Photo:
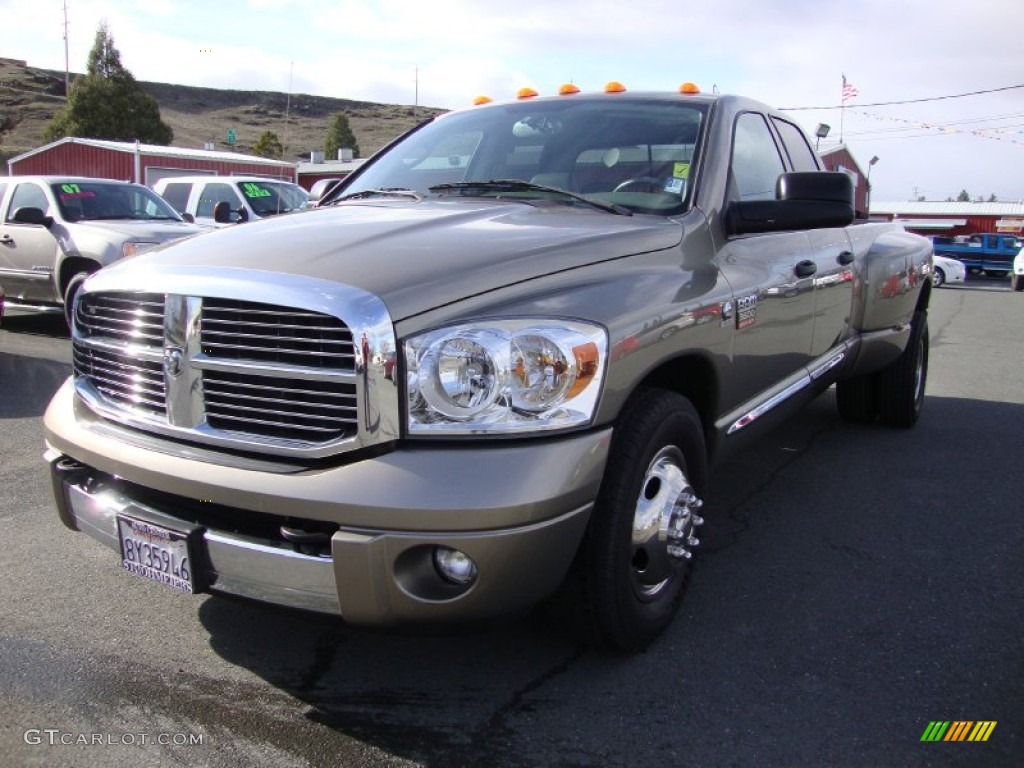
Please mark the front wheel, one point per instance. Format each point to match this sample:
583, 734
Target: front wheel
1017, 283
938, 277
70, 291
631, 571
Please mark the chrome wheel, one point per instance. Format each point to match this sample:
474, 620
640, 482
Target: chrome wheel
664, 523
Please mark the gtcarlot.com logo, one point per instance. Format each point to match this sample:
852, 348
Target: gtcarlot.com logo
958, 730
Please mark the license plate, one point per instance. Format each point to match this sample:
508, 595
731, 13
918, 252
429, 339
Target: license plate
157, 553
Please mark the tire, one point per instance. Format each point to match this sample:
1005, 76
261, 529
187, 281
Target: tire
938, 277
858, 398
70, 291
902, 382
1017, 283
634, 563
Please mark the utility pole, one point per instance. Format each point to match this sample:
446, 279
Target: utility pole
67, 61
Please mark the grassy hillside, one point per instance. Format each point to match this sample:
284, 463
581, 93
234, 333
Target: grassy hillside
29, 97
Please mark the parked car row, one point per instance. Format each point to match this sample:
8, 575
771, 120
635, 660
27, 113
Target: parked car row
55, 231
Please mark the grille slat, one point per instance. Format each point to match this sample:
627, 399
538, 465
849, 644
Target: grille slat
288, 407
269, 334
137, 318
265, 371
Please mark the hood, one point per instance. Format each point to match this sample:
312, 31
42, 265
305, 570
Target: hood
129, 229
416, 256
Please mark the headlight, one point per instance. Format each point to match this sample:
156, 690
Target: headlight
504, 376
135, 247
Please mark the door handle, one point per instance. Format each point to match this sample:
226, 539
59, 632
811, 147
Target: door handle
845, 257
805, 268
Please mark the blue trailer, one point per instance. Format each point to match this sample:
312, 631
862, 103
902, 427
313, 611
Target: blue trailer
988, 252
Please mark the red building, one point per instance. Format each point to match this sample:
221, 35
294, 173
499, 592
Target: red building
952, 219
141, 163
839, 158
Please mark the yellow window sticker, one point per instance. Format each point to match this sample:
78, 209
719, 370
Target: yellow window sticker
681, 171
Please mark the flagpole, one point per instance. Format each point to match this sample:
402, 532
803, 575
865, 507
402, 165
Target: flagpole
842, 108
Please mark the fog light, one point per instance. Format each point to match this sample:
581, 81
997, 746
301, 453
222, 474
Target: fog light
454, 566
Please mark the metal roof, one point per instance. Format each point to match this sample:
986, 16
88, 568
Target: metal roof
947, 209
157, 150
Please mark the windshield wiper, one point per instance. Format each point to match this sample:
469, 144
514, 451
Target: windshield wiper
383, 192
517, 185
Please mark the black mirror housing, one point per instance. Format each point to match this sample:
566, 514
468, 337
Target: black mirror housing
31, 215
805, 200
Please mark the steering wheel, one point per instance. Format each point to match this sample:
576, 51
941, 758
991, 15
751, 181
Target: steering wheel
648, 184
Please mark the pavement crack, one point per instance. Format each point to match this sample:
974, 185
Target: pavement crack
730, 526
483, 742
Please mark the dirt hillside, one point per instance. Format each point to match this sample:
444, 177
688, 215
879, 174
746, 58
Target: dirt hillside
29, 97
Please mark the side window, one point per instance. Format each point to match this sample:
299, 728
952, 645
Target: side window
27, 196
801, 156
756, 164
176, 193
213, 194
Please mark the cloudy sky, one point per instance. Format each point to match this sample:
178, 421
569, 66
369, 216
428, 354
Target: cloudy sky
940, 83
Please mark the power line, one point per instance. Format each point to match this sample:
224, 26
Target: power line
910, 101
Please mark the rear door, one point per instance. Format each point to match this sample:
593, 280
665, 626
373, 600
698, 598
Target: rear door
830, 251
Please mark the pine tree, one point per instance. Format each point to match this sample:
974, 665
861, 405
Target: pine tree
108, 103
340, 136
268, 145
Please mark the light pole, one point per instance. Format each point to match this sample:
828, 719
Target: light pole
871, 164
821, 132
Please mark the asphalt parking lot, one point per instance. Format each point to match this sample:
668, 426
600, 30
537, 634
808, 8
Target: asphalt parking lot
856, 584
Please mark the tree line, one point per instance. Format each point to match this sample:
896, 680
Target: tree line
108, 103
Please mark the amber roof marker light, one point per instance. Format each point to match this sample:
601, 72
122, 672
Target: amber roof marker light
690, 88
568, 89
615, 87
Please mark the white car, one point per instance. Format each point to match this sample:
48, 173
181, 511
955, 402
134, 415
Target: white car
243, 198
1017, 275
947, 270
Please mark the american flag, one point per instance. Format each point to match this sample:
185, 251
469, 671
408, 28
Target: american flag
849, 92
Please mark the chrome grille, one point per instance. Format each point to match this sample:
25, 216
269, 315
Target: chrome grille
126, 318
121, 378
234, 373
239, 330
292, 409
120, 329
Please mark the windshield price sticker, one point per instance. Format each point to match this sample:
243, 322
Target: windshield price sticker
255, 190
156, 553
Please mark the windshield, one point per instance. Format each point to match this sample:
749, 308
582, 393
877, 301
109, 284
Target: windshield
636, 153
94, 201
268, 198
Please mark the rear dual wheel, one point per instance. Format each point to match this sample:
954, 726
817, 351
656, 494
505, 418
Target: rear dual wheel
895, 394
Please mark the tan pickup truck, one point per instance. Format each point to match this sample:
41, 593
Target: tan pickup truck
490, 370
57, 230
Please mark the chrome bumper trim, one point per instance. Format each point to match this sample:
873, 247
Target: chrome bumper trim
236, 565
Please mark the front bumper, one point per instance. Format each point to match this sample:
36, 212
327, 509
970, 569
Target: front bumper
518, 509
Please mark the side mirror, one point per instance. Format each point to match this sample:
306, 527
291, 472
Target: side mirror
222, 212
30, 215
806, 200
243, 215
188, 217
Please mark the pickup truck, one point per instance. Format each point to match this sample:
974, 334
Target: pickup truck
491, 370
987, 252
222, 200
57, 230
